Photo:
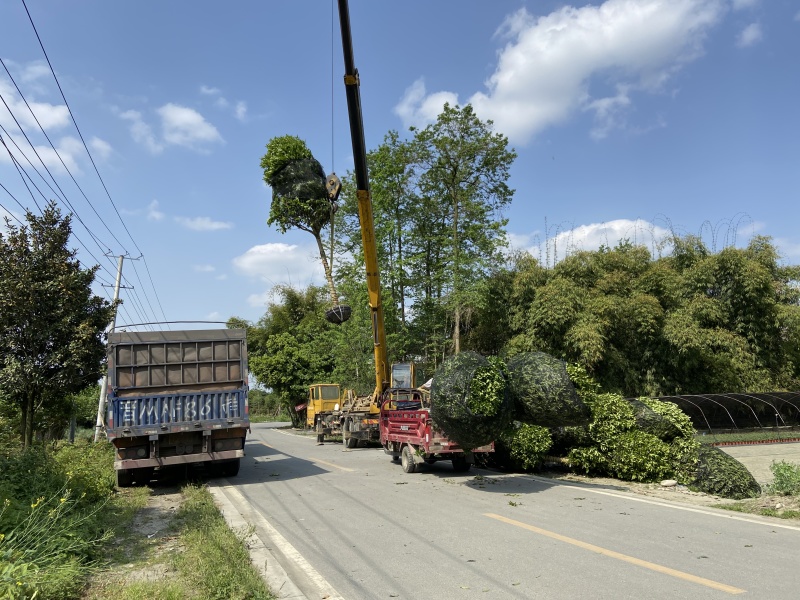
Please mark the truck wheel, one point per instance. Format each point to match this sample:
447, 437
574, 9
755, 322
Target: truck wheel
407, 460
141, 476
460, 464
347, 439
124, 478
231, 469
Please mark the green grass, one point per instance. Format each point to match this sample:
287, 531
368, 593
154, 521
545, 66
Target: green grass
58, 510
208, 560
752, 507
765, 435
270, 418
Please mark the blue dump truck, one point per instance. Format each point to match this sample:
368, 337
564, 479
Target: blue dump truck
177, 398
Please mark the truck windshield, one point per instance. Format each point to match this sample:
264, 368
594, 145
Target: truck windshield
329, 392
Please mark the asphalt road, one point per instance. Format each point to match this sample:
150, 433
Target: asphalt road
350, 524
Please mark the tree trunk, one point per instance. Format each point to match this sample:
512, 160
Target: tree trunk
328, 270
456, 283
27, 434
457, 330
23, 421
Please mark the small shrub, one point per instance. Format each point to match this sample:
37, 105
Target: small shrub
88, 468
787, 478
529, 445
617, 445
44, 550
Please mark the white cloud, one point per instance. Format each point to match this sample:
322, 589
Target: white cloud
561, 242
34, 71
743, 4
749, 36
213, 316
186, 127
204, 268
100, 148
546, 70
180, 126
153, 214
203, 223
417, 107
240, 111
797, 16
208, 90
63, 157
50, 116
279, 263
142, 132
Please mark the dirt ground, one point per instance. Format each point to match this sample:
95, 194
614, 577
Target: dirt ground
145, 546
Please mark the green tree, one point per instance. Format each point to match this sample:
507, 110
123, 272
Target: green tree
690, 322
463, 172
299, 197
51, 324
291, 348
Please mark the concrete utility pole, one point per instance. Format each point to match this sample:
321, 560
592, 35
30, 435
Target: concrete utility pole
101, 404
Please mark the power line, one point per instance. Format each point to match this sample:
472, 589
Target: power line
47, 137
74, 122
12, 215
94, 165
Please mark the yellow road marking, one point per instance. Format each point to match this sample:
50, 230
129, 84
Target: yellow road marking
327, 464
267, 445
624, 557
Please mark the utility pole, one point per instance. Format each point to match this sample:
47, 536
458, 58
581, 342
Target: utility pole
101, 404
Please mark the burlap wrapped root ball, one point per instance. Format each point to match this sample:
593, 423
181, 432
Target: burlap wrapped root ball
653, 423
722, 475
297, 179
303, 179
542, 392
470, 401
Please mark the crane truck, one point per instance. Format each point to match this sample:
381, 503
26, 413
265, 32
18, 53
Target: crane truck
397, 411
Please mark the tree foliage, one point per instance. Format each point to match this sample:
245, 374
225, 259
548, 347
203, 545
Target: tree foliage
690, 322
51, 324
438, 201
299, 197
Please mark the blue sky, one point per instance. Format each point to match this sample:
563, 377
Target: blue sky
629, 117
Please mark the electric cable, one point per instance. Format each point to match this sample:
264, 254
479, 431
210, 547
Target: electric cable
102, 182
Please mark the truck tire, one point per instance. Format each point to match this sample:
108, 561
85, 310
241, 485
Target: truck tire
124, 478
231, 469
407, 460
460, 464
141, 476
348, 440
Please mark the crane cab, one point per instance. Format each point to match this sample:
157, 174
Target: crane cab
403, 376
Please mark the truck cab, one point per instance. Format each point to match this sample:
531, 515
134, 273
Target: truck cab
322, 398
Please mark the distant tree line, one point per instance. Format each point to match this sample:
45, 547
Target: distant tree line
689, 321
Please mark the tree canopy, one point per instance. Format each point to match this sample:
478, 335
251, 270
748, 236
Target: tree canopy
52, 326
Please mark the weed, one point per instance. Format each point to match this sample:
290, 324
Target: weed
215, 560
787, 478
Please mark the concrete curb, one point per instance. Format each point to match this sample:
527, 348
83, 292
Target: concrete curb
268, 549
